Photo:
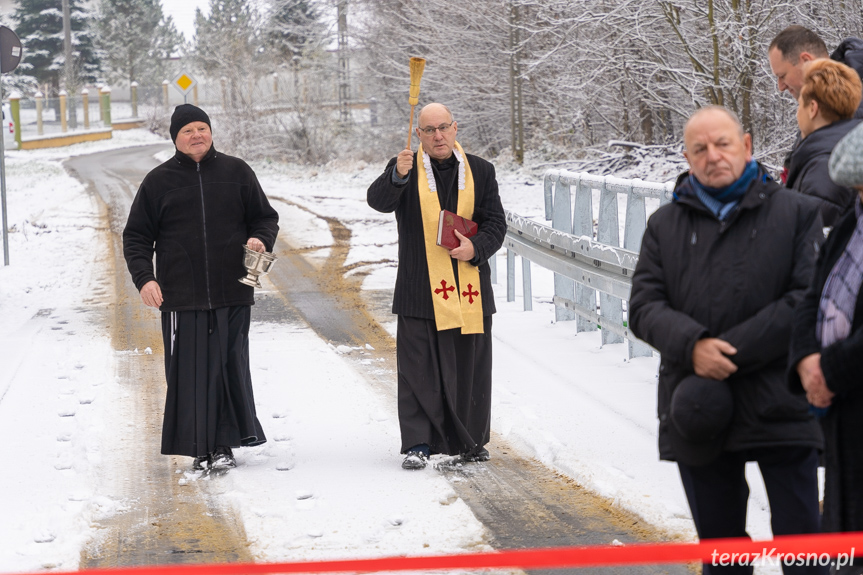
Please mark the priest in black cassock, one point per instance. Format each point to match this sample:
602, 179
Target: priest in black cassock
443, 298
195, 212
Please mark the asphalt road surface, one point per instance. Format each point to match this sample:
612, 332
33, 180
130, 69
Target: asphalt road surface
521, 502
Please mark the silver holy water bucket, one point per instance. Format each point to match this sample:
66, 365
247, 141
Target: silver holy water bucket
257, 264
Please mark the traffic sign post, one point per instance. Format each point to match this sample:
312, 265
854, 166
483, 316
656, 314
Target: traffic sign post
10, 56
185, 84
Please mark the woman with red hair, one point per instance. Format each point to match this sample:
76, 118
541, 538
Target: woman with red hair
828, 99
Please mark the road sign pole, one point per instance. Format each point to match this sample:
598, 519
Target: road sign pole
3, 185
10, 56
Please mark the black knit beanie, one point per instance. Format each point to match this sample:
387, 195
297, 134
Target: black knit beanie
186, 114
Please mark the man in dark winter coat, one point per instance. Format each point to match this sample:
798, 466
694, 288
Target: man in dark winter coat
443, 298
195, 212
720, 272
792, 48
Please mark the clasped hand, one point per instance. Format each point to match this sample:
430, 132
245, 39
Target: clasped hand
812, 378
710, 358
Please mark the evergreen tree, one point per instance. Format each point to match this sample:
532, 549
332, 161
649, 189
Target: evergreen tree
40, 27
294, 28
136, 40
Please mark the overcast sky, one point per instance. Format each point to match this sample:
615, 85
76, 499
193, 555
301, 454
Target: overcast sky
183, 13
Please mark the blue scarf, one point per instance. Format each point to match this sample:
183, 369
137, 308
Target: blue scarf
721, 201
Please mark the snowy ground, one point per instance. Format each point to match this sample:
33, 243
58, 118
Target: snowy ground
317, 489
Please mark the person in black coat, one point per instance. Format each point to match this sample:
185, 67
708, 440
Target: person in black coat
792, 49
720, 272
829, 96
826, 357
795, 46
195, 212
444, 357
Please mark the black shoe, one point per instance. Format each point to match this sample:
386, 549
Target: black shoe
223, 458
479, 454
202, 462
415, 460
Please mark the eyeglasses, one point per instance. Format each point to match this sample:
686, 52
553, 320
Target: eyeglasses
444, 128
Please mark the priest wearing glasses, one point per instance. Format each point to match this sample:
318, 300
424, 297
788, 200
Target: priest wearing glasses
443, 297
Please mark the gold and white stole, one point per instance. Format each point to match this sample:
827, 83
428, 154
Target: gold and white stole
453, 307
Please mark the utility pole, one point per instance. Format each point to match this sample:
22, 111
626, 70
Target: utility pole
69, 65
515, 99
344, 65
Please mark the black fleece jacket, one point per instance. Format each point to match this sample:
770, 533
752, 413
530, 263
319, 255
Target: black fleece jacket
196, 217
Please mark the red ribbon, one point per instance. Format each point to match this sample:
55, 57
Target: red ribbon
712, 550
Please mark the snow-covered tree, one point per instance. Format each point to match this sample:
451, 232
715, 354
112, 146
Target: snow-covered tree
136, 40
229, 46
294, 28
583, 72
39, 24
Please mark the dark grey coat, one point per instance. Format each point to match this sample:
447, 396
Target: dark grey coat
808, 173
738, 280
842, 364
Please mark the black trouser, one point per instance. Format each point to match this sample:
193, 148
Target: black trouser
718, 494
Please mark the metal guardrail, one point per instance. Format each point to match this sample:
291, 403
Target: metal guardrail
585, 255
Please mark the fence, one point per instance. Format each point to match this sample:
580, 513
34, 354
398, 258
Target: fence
42, 116
69, 118
582, 248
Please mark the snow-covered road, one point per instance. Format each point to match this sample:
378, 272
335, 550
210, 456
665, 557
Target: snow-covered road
316, 489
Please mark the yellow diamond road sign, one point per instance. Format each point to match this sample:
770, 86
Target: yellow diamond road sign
184, 83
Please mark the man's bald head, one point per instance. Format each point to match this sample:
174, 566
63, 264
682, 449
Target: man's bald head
716, 147
432, 108
713, 109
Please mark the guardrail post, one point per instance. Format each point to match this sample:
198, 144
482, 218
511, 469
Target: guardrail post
548, 185
633, 231
608, 232
526, 287
582, 225
510, 275
492, 267
561, 221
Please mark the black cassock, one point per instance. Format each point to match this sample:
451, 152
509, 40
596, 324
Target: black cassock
444, 391
209, 401
444, 377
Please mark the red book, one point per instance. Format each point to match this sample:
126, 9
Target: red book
448, 222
